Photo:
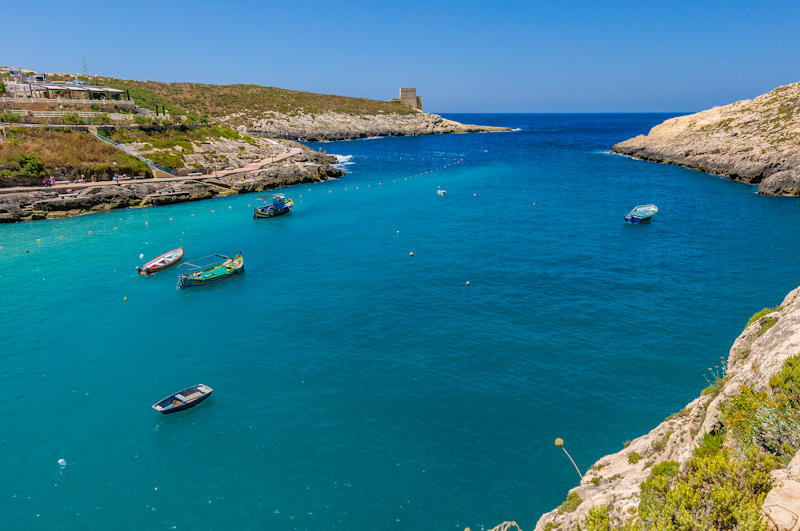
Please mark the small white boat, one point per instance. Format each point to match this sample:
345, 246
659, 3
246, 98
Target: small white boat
441, 192
162, 262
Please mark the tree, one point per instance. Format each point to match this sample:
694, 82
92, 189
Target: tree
2, 87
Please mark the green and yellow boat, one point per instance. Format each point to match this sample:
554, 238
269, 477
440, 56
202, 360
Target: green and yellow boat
209, 275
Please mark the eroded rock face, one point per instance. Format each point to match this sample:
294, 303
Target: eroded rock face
756, 355
338, 126
754, 141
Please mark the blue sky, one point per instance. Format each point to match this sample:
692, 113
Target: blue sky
464, 56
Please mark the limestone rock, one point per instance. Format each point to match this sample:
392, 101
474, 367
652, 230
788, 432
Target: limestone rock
753, 141
756, 355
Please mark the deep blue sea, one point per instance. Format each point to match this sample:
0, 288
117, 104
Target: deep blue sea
358, 387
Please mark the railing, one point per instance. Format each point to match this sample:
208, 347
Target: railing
134, 153
124, 103
82, 114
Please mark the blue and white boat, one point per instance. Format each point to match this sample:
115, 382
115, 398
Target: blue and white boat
641, 214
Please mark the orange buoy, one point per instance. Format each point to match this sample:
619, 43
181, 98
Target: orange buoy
27, 251
212, 210
90, 232
170, 219
467, 282
411, 253
60, 237
115, 228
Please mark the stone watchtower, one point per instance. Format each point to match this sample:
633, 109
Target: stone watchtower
409, 96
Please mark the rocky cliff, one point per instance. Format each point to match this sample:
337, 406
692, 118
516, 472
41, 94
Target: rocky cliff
755, 141
757, 356
342, 126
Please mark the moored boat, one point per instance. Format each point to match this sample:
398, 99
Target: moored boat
170, 258
209, 275
280, 205
641, 214
441, 192
183, 399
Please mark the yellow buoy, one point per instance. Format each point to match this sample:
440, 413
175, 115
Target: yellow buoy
124, 298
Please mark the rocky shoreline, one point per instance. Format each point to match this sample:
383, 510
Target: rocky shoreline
339, 126
308, 166
755, 358
753, 141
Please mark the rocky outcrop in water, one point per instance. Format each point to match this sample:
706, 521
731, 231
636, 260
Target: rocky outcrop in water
754, 141
756, 356
340, 126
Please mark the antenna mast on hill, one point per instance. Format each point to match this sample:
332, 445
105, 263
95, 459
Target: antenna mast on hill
84, 67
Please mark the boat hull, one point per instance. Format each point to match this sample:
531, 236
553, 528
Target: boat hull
637, 220
183, 400
270, 212
154, 265
229, 268
186, 406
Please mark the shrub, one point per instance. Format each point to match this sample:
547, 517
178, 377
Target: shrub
633, 457
571, 503
2, 87
787, 382
763, 420
95, 107
101, 118
72, 118
10, 117
26, 165
661, 443
758, 315
596, 519
141, 119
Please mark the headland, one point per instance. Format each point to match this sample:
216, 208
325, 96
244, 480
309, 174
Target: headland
754, 141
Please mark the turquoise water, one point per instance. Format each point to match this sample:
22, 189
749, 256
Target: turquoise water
358, 387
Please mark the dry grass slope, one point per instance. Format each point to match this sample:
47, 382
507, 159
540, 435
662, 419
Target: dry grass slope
66, 153
224, 100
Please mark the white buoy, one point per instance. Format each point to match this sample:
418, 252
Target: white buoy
62, 462
141, 255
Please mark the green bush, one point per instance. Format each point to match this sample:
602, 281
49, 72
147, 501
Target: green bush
2, 87
95, 107
787, 382
763, 420
571, 503
633, 457
596, 519
9, 117
26, 165
141, 119
101, 118
72, 118
762, 313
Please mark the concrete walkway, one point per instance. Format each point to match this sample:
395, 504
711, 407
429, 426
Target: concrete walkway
221, 173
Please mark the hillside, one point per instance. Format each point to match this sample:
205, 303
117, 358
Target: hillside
27, 155
282, 113
755, 141
728, 460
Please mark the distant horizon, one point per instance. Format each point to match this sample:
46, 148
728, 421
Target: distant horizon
466, 57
